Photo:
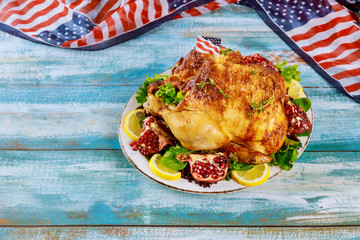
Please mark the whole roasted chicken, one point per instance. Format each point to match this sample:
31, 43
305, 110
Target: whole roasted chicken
232, 103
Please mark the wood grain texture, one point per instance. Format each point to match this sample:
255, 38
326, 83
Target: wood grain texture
167, 233
101, 187
26, 63
87, 118
61, 109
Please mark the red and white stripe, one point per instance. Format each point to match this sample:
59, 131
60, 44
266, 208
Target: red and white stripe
333, 42
113, 17
33, 17
205, 8
205, 46
126, 17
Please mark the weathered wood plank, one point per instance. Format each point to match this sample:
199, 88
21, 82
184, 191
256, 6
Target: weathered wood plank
101, 187
142, 233
26, 63
87, 118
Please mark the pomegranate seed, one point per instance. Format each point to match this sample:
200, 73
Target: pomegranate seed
215, 176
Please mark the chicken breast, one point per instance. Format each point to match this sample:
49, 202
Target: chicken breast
226, 100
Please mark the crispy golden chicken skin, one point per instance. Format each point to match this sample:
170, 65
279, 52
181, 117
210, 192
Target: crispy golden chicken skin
208, 119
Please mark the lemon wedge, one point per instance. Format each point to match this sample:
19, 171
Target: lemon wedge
253, 177
161, 171
295, 90
132, 126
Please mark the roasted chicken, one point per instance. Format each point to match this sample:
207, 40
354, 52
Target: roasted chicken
232, 103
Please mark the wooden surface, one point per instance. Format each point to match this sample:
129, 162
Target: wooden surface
61, 165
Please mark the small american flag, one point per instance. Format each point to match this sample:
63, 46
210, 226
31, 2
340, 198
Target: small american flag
325, 33
208, 45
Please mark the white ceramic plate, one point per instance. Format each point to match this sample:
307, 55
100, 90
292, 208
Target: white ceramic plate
141, 163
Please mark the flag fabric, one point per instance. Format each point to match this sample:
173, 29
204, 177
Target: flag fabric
94, 24
209, 45
325, 33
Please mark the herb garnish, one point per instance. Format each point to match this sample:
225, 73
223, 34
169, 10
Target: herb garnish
226, 51
289, 73
212, 83
287, 154
261, 105
169, 94
253, 72
237, 166
142, 93
304, 103
169, 158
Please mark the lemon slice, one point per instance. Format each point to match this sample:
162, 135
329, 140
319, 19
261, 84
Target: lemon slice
132, 126
253, 177
295, 90
161, 171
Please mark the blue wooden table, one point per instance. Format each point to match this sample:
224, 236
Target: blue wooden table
63, 175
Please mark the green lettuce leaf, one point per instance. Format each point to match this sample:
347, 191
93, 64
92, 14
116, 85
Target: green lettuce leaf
306, 134
237, 166
141, 93
169, 158
304, 103
169, 94
287, 154
290, 72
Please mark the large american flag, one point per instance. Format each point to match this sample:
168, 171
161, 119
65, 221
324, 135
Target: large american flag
325, 33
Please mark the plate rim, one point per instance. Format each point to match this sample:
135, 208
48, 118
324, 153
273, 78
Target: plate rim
193, 191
